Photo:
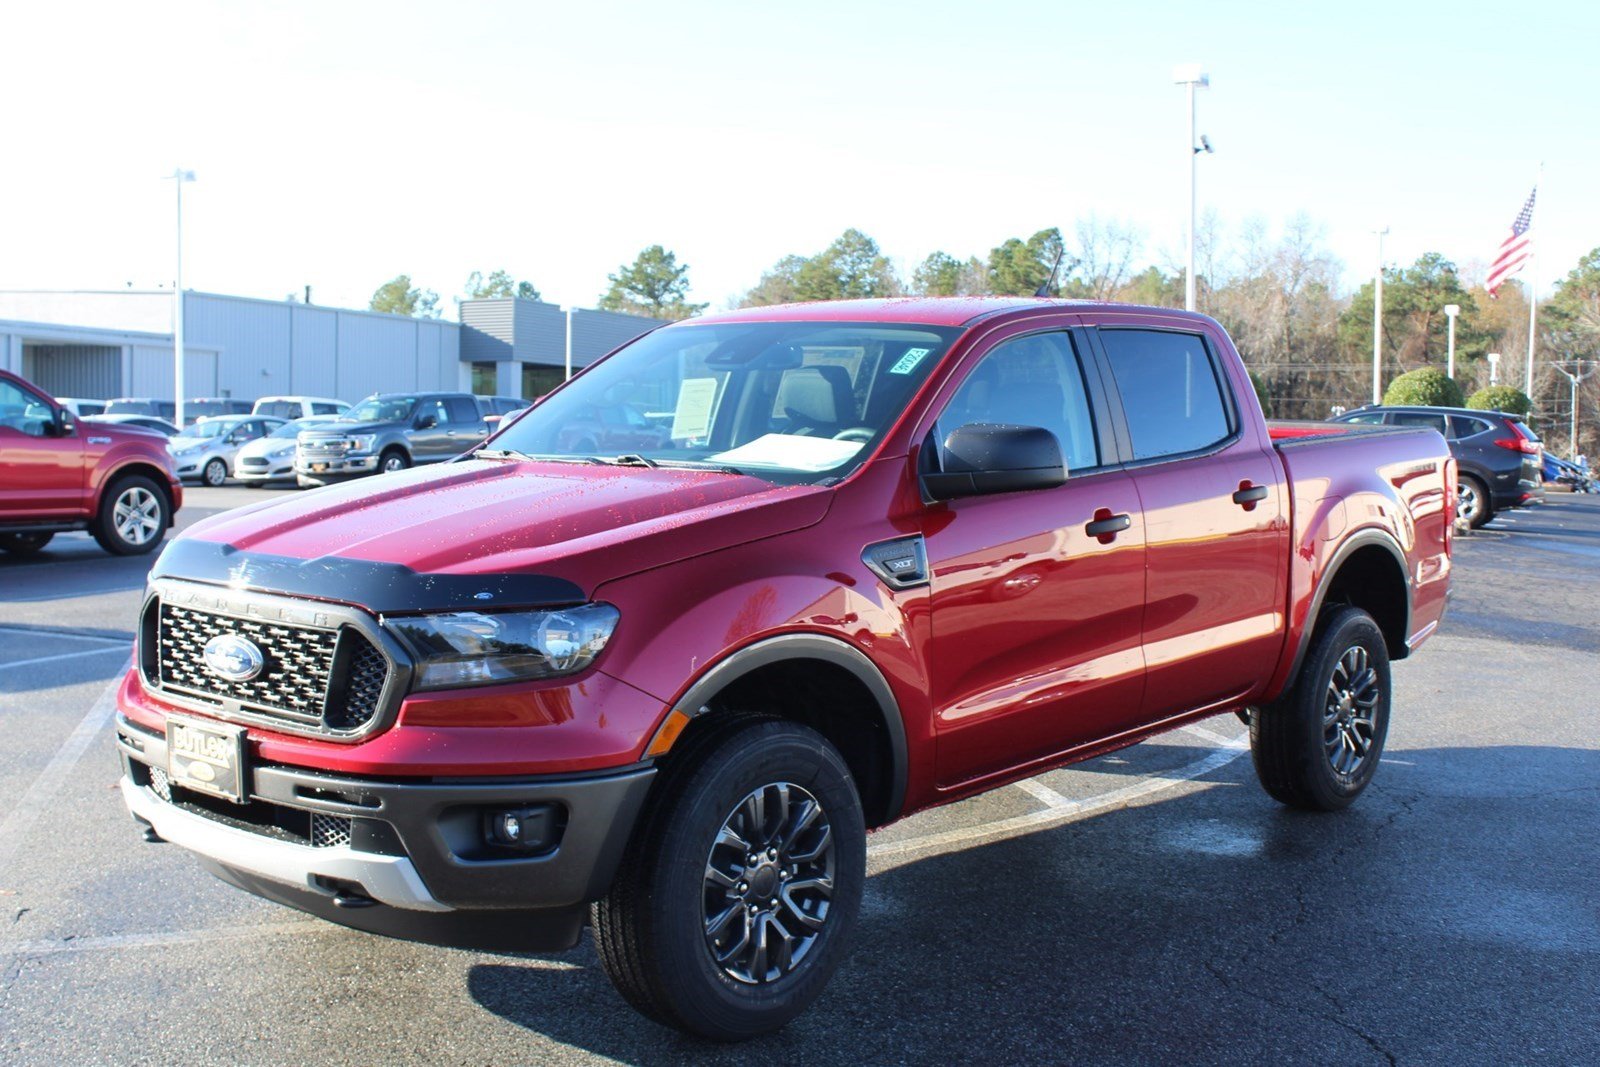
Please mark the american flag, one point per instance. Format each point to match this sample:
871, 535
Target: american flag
1515, 250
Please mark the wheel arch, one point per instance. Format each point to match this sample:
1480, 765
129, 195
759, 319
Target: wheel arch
138, 467
1369, 571
784, 674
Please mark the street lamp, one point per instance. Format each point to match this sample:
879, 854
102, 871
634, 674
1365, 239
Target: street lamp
1576, 376
1190, 75
1450, 313
179, 178
1377, 322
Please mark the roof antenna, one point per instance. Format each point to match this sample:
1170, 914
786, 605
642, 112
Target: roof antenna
1050, 282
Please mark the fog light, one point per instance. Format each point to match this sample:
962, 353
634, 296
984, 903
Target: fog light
529, 829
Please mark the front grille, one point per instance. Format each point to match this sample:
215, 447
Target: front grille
252, 461
324, 449
325, 678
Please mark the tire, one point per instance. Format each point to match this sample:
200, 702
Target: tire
1310, 747
393, 459
1472, 501
214, 473
24, 544
655, 929
134, 516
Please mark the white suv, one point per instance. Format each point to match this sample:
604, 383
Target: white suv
299, 407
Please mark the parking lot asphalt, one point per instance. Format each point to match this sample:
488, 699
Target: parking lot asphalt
1150, 906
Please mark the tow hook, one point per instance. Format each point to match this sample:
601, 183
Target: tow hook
148, 832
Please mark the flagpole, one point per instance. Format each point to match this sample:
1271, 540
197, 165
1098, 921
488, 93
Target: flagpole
1533, 300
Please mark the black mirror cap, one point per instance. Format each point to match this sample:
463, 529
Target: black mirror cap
983, 458
61, 425
427, 422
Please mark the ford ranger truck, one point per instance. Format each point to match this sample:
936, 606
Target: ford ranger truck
59, 474
880, 556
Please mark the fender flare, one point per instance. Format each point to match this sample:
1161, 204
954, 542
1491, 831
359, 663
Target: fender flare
832, 650
1355, 542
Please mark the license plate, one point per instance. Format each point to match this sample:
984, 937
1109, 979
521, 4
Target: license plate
206, 757
318, 468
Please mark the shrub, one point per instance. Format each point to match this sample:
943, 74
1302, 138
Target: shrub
1427, 387
1261, 393
1506, 398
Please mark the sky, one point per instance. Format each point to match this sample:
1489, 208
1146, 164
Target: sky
339, 144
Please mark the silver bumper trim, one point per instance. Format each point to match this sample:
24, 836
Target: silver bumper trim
391, 880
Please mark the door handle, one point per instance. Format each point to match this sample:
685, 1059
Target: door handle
1249, 495
1105, 526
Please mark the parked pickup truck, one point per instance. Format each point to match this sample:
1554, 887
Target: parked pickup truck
389, 432
884, 555
59, 474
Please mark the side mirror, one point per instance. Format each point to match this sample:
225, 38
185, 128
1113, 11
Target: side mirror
427, 422
984, 457
61, 425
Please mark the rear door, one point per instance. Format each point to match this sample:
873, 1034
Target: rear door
1035, 619
1215, 520
466, 427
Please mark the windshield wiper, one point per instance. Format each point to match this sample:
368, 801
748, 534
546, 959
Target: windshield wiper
500, 453
700, 465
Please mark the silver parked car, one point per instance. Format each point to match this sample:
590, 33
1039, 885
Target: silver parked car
271, 458
206, 450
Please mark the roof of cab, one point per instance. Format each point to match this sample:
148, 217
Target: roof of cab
922, 310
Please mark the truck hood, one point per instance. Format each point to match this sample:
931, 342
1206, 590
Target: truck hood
578, 525
341, 429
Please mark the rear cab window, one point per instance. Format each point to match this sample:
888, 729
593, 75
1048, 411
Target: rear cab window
1172, 394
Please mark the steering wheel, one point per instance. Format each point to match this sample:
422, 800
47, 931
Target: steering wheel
855, 433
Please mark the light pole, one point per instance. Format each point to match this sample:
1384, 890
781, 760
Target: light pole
1576, 376
1494, 368
1450, 312
1191, 76
1377, 322
179, 178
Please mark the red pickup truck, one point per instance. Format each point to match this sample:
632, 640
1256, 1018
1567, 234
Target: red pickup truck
880, 556
59, 474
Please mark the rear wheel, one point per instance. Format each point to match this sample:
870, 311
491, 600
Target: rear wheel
24, 544
1318, 745
733, 906
1472, 501
134, 516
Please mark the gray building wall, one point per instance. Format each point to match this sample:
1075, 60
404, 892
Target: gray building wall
74, 370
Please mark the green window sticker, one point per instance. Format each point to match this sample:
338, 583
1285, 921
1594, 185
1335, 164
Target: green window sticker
908, 362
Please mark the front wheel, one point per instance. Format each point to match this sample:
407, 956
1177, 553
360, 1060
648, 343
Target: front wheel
24, 544
732, 909
215, 473
393, 460
1317, 746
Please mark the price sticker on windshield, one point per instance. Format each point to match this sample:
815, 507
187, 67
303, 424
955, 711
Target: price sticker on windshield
908, 362
692, 417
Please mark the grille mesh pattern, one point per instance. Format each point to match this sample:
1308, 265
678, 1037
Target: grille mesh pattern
317, 677
329, 831
160, 784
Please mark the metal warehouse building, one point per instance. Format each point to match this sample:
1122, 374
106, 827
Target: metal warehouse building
99, 345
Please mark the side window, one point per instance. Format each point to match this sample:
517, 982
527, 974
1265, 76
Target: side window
1419, 418
1171, 395
321, 409
1029, 381
434, 407
1372, 419
22, 411
462, 409
1466, 426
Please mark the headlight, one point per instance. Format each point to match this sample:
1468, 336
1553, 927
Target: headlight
188, 450
286, 450
362, 443
479, 648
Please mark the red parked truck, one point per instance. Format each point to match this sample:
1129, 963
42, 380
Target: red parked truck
59, 474
884, 555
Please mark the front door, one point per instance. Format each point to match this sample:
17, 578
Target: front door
1036, 611
431, 443
41, 476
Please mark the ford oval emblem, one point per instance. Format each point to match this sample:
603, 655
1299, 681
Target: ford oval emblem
233, 657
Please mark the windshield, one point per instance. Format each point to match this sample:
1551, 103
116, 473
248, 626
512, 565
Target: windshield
789, 401
292, 430
381, 409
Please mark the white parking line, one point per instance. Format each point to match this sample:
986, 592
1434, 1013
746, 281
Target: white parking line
160, 938
33, 631
1059, 813
31, 810
120, 646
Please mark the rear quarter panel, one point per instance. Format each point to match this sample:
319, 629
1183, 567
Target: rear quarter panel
1396, 484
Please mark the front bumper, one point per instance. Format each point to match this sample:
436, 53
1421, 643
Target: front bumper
335, 466
276, 470
414, 847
